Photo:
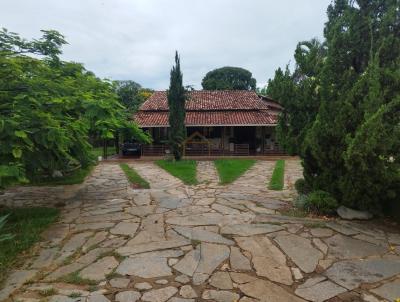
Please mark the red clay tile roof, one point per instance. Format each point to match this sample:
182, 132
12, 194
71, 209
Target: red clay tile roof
207, 108
220, 118
209, 100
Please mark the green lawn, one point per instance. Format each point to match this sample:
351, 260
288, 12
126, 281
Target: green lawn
231, 169
134, 177
25, 224
185, 170
76, 177
277, 179
98, 151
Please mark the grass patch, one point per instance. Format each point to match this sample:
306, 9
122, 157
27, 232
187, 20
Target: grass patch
26, 224
185, 170
77, 177
277, 179
231, 169
48, 292
75, 295
98, 151
134, 177
298, 213
312, 225
74, 278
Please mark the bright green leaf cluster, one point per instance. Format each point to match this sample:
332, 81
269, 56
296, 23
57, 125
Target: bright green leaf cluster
49, 108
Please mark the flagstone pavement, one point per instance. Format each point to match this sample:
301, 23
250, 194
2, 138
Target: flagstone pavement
206, 242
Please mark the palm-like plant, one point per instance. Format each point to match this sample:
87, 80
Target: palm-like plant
4, 237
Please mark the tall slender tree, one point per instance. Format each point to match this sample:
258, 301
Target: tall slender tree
177, 113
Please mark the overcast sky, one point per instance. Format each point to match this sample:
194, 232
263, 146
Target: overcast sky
136, 39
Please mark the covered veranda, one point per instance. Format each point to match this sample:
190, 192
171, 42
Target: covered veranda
218, 141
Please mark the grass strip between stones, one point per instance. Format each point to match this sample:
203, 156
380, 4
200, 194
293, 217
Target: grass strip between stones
134, 178
277, 179
185, 170
26, 224
231, 169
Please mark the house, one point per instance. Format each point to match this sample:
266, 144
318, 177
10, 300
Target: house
220, 122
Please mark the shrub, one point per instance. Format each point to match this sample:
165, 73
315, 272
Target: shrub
320, 202
300, 201
302, 187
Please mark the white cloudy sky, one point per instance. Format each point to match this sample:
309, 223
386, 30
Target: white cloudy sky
136, 39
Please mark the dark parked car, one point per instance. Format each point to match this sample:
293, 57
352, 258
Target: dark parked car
131, 148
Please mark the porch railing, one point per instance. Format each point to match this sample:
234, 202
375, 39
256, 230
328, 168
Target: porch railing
241, 149
207, 150
153, 150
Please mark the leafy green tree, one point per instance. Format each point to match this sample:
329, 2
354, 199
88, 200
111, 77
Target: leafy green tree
131, 94
48, 109
229, 78
177, 112
298, 93
127, 91
283, 88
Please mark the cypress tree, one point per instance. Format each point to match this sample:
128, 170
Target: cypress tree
176, 102
340, 153
352, 82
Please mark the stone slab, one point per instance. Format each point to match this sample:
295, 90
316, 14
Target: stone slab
221, 280
145, 267
347, 213
159, 295
99, 269
125, 228
320, 292
250, 229
267, 259
188, 264
127, 296
202, 235
15, 281
344, 247
238, 261
211, 256
45, 258
152, 246
220, 296
351, 274
119, 282
268, 292
301, 251
389, 291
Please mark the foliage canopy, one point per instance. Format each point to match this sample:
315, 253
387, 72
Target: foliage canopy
49, 108
131, 94
229, 78
342, 105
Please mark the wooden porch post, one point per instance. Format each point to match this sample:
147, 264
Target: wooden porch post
262, 139
223, 140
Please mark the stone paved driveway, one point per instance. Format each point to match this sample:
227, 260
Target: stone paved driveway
203, 243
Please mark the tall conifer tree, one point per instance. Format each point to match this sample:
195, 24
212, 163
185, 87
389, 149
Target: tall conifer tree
350, 85
177, 113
